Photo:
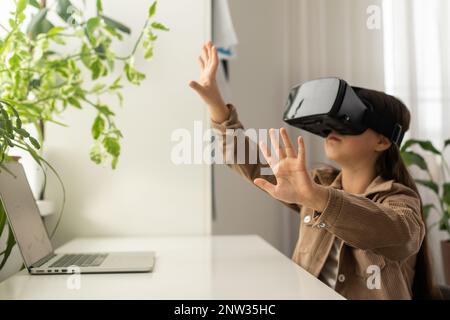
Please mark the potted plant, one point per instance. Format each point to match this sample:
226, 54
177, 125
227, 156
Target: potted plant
39, 79
440, 187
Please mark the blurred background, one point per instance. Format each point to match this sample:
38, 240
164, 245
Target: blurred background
269, 46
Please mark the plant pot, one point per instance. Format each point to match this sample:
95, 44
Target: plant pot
445, 249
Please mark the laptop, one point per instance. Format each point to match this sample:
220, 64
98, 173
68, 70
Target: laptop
35, 245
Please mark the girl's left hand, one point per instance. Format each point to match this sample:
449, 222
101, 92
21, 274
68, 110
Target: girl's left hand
294, 184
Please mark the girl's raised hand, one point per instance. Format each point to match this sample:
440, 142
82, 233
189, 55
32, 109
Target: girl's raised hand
207, 87
294, 185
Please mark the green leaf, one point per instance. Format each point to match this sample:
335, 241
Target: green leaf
96, 154
116, 25
112, 146
152, 10
34, 142
65, 9
35, 4
412, 158
92, 24
446, 194
21, 6
99, 6
427, 209
447, 143
98, 127
429, 184
97, 69
159, 26
22, 132
105, 110
134, 76
425, 145
444, 222
10, 243
149, 53
2, 219
74, 102
39, 24
55, 31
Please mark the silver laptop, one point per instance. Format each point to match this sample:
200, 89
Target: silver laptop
34, 242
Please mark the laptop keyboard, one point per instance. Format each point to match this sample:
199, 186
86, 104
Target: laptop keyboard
79, 260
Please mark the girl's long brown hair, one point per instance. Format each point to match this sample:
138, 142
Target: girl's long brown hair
390, 166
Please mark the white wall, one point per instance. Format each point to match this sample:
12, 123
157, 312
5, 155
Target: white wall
147, 194
259, 83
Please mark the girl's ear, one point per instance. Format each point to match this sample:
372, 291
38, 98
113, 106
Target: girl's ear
383, 143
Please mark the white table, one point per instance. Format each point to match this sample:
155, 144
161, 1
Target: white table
218, 267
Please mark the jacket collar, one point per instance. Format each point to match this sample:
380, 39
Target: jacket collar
376, 186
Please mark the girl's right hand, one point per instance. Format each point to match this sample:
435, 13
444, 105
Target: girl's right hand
207, 87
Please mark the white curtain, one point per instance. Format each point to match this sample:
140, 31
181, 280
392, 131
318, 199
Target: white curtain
417, 70
331, 38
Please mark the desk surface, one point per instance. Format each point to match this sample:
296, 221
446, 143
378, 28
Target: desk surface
218, 267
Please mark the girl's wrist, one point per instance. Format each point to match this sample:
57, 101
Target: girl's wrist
317, 198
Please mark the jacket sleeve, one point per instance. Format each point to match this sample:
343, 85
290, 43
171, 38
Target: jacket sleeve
393, 228
245, 156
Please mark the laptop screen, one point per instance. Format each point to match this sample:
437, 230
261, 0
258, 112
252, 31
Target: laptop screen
23, 214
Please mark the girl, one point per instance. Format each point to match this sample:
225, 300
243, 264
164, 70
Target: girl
362, 230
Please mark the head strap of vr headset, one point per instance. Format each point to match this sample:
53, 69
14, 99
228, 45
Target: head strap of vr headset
390, 129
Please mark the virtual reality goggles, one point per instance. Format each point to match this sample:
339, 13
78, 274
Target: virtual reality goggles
321, 106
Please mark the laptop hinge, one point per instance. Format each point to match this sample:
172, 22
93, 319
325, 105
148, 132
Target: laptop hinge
43, 261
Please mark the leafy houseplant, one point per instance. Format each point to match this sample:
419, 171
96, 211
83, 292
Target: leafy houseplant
441, 189
39, 80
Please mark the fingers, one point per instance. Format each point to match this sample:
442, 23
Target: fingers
215, 58
201, 62
275, 139
266, 153
301, 153
265, 185
205, 55
196, 86
287, 143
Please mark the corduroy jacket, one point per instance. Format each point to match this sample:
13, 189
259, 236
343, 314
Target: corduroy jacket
381, 230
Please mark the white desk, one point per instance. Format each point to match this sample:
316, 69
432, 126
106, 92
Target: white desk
219, 267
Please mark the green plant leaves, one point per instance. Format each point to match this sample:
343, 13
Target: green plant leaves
98, 127
10, 243
411, 158
134, 76
65, 9
152, 10
43, 82
159, 26
446, 194
92, 24
99, 7
425, 145
447, 143
34, 3
116, 25
429, 184
427, 209
39, 24
21, 6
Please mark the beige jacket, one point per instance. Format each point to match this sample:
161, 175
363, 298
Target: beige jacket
381, 231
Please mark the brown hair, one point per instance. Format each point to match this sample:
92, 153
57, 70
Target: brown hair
390, 166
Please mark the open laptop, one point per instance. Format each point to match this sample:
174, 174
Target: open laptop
34, 242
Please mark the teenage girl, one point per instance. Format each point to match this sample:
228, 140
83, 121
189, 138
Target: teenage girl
362, 230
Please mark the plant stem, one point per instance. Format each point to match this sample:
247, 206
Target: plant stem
136, 45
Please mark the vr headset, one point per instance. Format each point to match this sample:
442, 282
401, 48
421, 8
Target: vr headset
323, 105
